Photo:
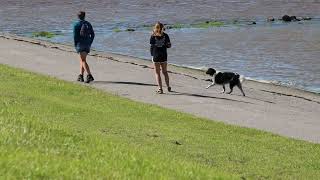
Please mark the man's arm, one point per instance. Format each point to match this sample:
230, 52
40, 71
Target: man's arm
92, 35
75, 34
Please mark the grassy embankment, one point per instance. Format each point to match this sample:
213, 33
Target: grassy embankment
51, 128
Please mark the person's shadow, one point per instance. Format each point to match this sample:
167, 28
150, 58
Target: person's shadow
124, 82
172, 92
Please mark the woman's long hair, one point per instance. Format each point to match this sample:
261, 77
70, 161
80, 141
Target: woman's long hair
158, 29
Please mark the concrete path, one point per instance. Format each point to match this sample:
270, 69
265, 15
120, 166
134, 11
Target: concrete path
288, 112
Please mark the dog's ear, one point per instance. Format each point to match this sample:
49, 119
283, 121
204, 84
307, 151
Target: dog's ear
211, 71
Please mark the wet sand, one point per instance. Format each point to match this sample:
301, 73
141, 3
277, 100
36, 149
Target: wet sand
281, 110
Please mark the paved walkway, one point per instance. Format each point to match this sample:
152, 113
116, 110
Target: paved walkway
276, 109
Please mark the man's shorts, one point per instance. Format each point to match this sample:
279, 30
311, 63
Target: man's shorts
83, 48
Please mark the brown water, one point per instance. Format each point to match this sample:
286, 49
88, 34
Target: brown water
279, 52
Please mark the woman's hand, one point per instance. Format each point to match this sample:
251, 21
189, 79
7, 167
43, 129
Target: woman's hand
168, 45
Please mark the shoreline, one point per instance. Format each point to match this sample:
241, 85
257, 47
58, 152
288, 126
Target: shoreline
184, 70
285, 76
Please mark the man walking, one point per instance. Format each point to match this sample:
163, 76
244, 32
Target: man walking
83, 37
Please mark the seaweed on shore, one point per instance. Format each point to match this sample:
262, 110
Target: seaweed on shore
176, 26
116, 30
208, 24
211, 23
45, 34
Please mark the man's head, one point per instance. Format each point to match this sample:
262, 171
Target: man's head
81, 15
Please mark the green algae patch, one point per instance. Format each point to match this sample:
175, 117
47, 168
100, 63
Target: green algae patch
44, 34
208, 24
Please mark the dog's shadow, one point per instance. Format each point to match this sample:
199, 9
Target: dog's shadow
265, 101
206, 96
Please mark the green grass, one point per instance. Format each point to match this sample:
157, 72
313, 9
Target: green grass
55, 129
44, 34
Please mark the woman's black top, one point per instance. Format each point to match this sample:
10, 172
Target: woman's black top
159, 45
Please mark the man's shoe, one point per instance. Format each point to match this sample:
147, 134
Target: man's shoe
89, 78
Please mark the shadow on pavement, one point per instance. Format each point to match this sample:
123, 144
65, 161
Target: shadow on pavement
124, 82
205, 96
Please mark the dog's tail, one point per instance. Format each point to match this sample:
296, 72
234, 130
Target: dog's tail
240, 77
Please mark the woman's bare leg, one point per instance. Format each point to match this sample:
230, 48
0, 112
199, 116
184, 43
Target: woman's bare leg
81, 67
165, 73
157, 73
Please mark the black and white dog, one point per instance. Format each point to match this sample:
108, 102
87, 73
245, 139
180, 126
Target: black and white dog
222, 78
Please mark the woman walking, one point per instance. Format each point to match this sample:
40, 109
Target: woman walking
160, 41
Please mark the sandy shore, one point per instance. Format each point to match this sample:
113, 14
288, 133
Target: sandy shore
281, 110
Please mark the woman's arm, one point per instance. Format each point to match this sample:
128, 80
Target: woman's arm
152, 42
168, 43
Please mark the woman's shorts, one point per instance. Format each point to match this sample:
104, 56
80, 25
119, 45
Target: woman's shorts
83, 49
159, 59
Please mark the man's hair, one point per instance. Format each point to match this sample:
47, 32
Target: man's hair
81, 15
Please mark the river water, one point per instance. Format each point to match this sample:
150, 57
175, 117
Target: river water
283, 53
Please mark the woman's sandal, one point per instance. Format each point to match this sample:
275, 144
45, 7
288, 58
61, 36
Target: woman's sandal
159, 91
